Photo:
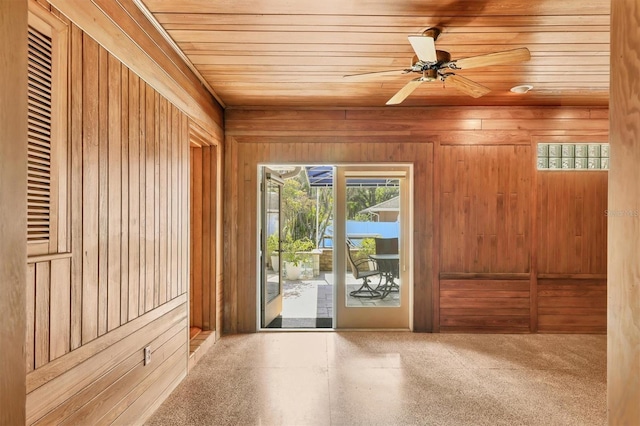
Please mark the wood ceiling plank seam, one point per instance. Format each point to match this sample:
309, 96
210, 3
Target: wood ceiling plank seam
538, 57
302, 86
402, 30
302, 37
405, 8
400, 47
383, 64
253, 19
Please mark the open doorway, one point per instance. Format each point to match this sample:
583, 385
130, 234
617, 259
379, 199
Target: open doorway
205, 248
296, 263
303, 237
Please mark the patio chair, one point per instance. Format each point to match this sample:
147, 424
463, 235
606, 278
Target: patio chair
359, 273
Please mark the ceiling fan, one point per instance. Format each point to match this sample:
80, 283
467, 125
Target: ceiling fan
437, 65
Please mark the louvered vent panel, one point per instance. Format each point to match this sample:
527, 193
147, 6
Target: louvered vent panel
39, 138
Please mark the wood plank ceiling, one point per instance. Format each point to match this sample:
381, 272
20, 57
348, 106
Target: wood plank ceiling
294, 53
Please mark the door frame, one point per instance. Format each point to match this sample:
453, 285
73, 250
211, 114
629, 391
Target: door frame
407, 259
205, 160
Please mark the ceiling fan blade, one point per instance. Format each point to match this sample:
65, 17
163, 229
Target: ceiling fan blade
406, 90
375, 74
498, 58
425, 47
467, 86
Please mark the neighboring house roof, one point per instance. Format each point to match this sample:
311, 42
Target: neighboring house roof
391, 205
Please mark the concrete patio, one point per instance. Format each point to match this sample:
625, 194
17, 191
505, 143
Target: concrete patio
308, 299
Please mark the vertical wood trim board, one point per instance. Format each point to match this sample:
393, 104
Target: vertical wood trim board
623, 355
77, 185
13, 212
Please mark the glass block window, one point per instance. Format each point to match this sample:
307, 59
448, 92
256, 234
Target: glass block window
573, 156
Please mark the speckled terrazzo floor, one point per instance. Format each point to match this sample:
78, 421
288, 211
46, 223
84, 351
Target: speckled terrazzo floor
394, 378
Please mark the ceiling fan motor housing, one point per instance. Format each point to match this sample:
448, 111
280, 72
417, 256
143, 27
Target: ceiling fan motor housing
430, 75
432, 32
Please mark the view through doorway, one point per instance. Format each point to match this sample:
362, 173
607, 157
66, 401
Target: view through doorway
306, 225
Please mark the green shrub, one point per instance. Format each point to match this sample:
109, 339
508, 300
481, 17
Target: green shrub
272, 244
292, 249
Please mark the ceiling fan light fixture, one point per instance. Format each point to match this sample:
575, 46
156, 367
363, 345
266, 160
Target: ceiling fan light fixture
523, 88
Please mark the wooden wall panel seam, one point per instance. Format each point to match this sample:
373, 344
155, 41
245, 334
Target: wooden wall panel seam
76, 133
89, 321
114, 184
124, 196
533, 225
437, 235
102, 230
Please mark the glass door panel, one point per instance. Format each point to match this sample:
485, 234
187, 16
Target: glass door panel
271, 262
372, 277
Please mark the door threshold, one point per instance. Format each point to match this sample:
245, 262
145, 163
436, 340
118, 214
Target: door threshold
395, 330
296, 323
295, 330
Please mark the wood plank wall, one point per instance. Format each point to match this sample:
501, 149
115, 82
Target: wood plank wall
484, 206
572, 255
479, 258
204, 236
319, 137
623, 355
124, 285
